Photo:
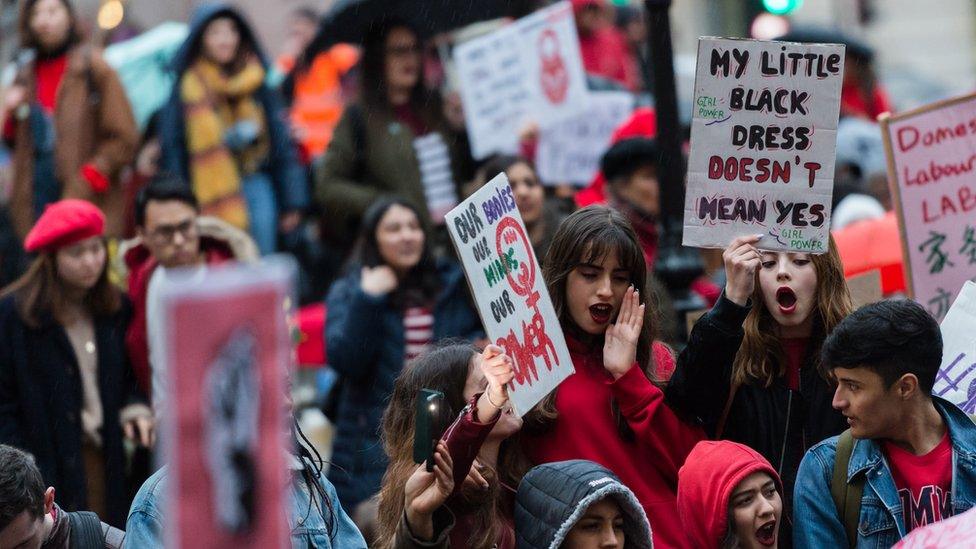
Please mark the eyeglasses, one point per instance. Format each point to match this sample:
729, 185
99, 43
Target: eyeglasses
166, 234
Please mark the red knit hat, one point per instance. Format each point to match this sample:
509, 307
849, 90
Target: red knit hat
64, 223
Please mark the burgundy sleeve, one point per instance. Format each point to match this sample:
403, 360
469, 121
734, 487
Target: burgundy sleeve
464, 439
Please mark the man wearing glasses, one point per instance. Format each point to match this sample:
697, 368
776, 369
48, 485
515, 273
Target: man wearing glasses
171, 235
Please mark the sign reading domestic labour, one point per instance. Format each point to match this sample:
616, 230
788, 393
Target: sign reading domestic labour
226, 360
956, 381
530, 71
932, 165
570, 151
763, 137
507, 285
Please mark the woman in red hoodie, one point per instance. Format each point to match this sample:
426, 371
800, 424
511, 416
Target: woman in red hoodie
611, 411
729, 496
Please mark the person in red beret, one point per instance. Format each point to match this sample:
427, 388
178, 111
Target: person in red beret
67, 393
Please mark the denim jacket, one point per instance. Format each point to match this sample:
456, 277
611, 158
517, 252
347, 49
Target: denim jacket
817, 524
144, 528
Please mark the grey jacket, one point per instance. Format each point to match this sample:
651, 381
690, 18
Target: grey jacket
553, 497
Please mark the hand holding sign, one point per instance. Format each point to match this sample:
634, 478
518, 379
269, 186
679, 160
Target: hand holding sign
742, 260
620, 341
498, 369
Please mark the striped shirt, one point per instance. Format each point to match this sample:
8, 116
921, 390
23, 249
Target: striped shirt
418, 331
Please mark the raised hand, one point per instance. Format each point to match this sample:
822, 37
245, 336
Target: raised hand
742, 259
620, 341
379, 280
499, 370
424, 492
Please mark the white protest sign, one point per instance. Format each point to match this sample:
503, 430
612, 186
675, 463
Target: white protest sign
931, 156
763, 137
528, 71
506, 282
956, 381
570, 151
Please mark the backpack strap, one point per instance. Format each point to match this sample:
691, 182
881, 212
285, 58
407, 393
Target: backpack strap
847, 496
86, 530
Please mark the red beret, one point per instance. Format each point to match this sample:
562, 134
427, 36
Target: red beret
64, 223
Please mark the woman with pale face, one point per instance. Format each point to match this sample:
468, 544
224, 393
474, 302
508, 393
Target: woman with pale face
750, 368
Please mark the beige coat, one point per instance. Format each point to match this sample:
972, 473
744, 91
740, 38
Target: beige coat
93, 122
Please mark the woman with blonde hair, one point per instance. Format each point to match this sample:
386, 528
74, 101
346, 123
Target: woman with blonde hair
750, 371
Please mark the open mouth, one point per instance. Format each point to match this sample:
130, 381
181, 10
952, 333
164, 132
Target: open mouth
786, 299
601, 312
766, 534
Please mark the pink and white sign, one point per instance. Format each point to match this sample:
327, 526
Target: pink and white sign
529, 71
932, 164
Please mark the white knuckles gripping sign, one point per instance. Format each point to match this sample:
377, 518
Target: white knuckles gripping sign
510, 293
763, 137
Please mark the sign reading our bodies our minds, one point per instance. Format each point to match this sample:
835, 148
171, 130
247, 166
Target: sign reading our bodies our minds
763, 138
511, 296
931, 164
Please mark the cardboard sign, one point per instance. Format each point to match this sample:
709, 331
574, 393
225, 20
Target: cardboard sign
931, 160
956, 381
570, 151
763, 137
506, 282
228, 354
865, 288
528, 71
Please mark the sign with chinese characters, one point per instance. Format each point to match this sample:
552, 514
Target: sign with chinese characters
510, 294
763, 137
931, 162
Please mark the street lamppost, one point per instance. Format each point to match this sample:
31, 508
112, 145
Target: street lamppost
676, 266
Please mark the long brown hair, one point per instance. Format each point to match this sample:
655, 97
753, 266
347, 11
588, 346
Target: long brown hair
443, 369
760, 358
588, 236
40, 294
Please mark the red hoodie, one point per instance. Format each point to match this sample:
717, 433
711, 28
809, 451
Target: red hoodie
705, 484
585, 429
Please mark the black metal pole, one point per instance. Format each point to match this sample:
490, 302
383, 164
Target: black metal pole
676, 266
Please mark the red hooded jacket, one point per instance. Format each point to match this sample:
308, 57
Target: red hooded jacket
705, 484
586, 429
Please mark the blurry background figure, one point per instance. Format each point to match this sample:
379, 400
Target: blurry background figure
317, 96
604, 49
66, 119
224, 131
67, 392
393, 303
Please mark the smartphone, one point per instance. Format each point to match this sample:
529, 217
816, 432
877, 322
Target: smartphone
429, 425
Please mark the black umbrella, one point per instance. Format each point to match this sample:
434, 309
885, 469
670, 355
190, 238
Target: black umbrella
349, 21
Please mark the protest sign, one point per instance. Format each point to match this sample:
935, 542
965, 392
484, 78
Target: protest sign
763, 138
956, 381
227, 354
931, 157
570, 151
529, 71
511, 296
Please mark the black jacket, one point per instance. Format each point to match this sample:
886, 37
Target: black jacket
777, 422
41, 401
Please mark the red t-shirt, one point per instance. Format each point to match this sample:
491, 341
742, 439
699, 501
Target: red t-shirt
794, 349
924, 482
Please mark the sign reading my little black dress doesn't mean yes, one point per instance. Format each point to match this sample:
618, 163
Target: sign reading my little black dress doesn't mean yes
763, 138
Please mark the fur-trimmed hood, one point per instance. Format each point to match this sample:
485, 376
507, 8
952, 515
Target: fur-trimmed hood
553, 497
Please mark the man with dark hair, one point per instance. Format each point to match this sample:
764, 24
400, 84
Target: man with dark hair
29, 518
171, 235
908, 459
